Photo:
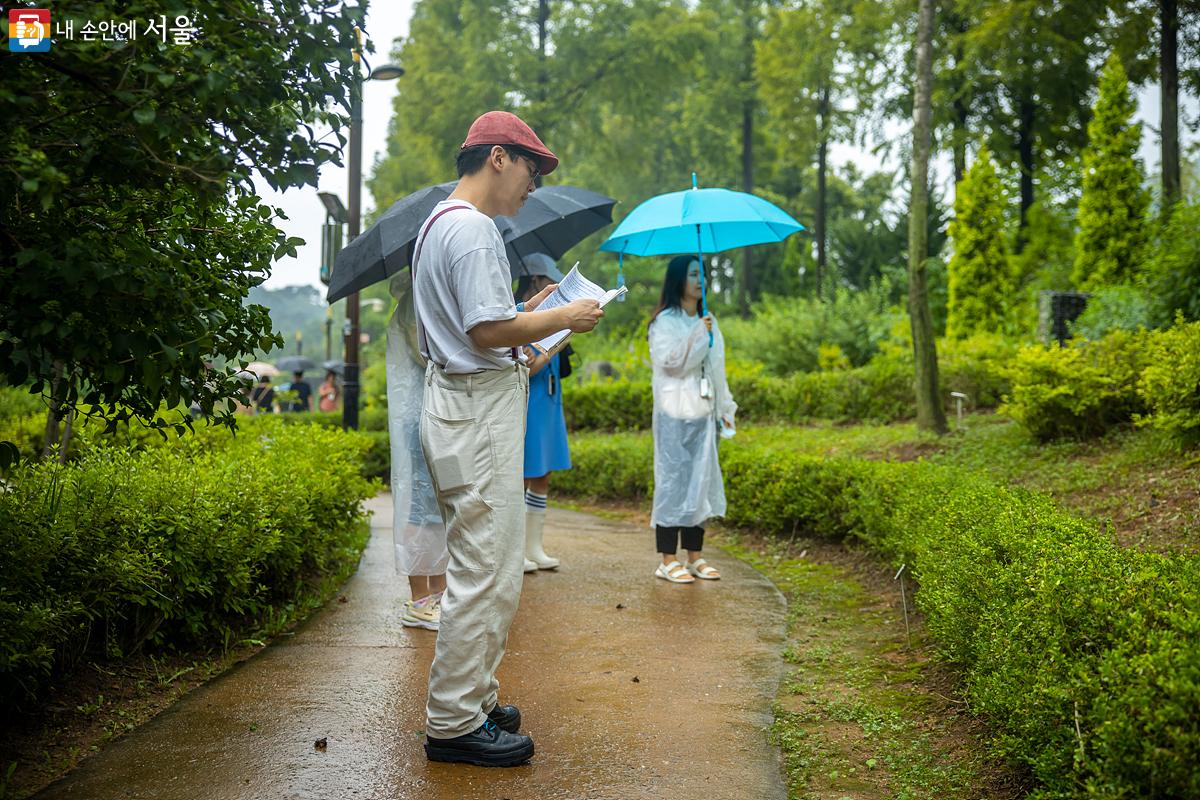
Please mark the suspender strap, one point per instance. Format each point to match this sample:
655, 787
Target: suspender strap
422, 339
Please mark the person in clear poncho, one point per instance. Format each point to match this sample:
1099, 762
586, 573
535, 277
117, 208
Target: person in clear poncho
691, 402
418, 532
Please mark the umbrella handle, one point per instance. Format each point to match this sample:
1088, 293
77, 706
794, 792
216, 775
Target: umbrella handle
703, 292
621, 274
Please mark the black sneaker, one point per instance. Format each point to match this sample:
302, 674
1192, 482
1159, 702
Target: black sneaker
507, 718
487, 746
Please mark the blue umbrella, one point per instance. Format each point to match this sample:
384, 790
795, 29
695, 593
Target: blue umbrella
699, 221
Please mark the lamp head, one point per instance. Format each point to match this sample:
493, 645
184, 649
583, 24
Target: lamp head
386, 72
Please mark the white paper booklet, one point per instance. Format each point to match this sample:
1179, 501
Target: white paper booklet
571, 288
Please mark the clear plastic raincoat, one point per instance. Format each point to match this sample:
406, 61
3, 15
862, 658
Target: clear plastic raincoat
418, 533
688, 487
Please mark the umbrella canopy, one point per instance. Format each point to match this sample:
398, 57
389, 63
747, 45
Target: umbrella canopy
295, 364
382, 250
699, 221
667, 224
553, 220
336, 365
261, 368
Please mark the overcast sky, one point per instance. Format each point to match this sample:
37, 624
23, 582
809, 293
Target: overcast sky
388, 19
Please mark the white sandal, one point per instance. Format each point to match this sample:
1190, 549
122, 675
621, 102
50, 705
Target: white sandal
673, 572
702, 570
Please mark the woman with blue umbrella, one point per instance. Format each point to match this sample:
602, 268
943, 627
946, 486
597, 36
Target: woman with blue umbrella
691, 398
691, 395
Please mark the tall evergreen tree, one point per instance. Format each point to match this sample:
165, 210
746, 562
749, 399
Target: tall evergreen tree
980, 272
1112, 210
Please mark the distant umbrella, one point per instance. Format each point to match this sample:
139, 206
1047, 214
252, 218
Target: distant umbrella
336, 365
295, 364
261, 368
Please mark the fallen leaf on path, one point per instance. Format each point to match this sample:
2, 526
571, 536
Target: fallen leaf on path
635, 679
320, 744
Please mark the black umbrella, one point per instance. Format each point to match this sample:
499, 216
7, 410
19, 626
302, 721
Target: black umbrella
382, 250
295, 364
553, 220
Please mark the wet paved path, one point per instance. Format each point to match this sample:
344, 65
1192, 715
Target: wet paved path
705, 658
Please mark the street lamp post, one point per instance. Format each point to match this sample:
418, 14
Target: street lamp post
350, 382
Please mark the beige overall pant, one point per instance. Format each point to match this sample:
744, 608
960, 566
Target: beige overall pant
473, 435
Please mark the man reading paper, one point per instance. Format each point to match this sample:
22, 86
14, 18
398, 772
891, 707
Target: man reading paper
472, 430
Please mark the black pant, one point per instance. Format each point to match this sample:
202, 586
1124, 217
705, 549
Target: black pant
668, 538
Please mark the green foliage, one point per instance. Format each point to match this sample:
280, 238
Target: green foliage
880, 391
131, 231
1174, 267
1170, 383
1112, 211
170, 546
786, 334
980, 274
1082, 655
1114, 308
1078, 391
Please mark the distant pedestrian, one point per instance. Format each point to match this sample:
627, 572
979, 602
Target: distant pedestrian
473, 429
262, 397
691, 397
302, 393
329, 393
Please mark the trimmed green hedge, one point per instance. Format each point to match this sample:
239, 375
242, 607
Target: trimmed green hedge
179, 545
1052, 625
880, 391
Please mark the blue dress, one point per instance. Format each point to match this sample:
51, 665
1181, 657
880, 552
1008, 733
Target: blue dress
546, 429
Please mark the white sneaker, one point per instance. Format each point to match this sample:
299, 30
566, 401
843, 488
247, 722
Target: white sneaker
428, 616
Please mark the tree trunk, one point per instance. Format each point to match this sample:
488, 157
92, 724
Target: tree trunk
930, 414
822, 152
65, 444
543, 81
1026, 110
959, 134
1169, 82
748, 149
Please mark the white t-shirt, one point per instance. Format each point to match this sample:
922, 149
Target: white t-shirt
462, 280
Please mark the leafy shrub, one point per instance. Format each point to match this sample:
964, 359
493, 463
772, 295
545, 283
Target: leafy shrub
1084, 656
16, 401
1077, 391
1174, 268
1170, 383
1114, 308
786, 334
177, 545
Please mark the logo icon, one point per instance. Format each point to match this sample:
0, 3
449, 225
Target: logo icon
29, 30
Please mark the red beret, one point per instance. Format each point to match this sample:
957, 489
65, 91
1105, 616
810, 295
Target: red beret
501, 127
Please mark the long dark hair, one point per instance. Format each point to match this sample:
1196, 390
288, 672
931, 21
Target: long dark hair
673, 284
